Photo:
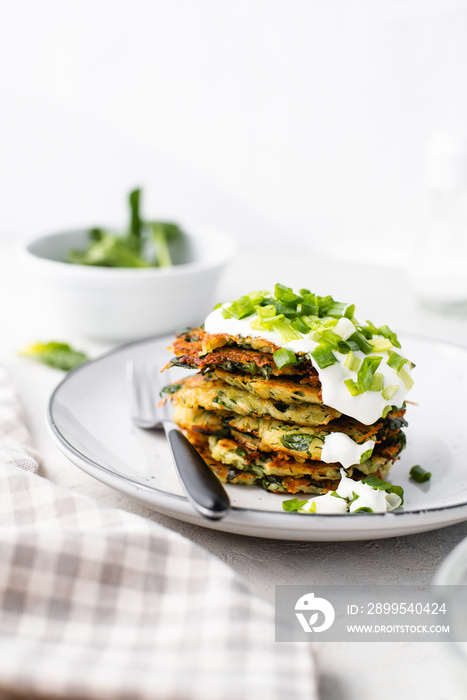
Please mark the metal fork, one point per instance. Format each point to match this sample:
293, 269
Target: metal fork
202, 488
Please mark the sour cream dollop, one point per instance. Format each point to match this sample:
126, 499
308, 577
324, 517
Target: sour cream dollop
350, 496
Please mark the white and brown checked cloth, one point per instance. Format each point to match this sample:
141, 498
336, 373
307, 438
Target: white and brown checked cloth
99, 603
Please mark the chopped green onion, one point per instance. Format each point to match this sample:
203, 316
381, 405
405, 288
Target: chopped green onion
288, 310
386, 410
284, 357
352, 362
406, 378
366, 332
386, 332
300, 325
309, 307
361, 341
366, 372
352, 387
293, 504
257, 324
363, 509
330, 338
396, 361
378, 382
323, 356
280, 290
338, 309
226, 313
371, 327
266, 311
267, 323
312, 508
241, 308
419, 474
380, 344
290, 298
324, 305
285, 331
389, 391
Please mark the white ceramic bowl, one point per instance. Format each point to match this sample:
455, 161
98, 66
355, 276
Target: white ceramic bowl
122, 304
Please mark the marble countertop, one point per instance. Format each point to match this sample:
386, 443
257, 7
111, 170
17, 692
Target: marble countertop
403, 669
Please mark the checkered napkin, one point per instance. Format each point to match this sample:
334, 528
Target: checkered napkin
100, 603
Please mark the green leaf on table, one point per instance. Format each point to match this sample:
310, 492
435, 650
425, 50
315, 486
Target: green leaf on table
58, 355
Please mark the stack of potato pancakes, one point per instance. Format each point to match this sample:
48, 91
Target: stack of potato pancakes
254, 409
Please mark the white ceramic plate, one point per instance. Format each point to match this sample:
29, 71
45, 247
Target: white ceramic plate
89, 418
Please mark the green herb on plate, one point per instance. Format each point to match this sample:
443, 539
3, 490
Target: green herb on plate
417, 473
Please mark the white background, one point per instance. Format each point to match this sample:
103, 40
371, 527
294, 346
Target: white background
298, 123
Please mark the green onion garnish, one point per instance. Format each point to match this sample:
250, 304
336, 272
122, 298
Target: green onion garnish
291, 316
352, 362
324, 305
280, 290
309, 306
366, 372
380, 344
266, 311
417, 473
389, 391
330, 338
338, 310
284, 357
323, 356
293, 504
406, 378
364, 509
361, 341
266, 323
378, 382
285, 331
241, 308
300, 325
352, 387
396, 361
386, 332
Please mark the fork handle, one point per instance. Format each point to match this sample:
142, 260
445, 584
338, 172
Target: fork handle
203, 489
